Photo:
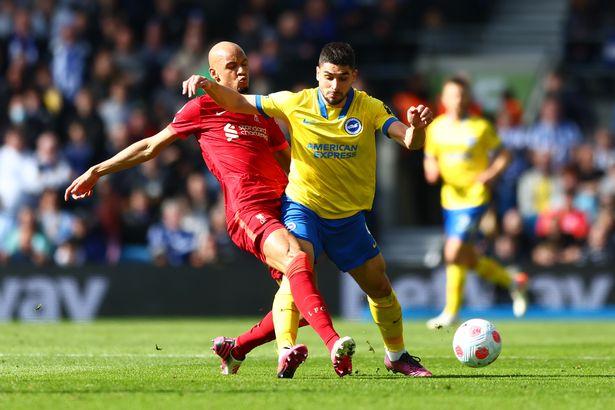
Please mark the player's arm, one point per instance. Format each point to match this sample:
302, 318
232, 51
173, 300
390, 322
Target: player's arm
283, 158
430, 166
130, 156
498, 164
412, 137
225, 97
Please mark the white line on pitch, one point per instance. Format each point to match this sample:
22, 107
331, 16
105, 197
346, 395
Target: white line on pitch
205, 356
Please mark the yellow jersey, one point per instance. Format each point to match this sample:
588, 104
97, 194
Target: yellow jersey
333, 167
462, 149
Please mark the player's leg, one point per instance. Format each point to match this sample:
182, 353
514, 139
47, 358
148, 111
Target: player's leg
387, 314
352, 248
456, 270
516, 282
305, 227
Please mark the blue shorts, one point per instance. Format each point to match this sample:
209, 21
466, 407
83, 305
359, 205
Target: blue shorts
463, 223
347, 241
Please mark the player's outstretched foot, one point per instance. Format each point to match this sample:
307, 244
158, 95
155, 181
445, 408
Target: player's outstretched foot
290, 359
443, 320
222, 347
341, 355
408, 365
518, 294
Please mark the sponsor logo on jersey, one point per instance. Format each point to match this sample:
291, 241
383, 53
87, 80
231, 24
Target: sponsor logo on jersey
353, 126
233, 132
230, 132
291, 226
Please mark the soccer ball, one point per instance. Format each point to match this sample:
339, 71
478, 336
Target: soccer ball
477, 343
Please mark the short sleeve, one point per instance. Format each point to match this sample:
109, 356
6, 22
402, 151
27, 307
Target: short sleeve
273, 105
383, 115
187, 120
430, 144
277, 140
492, 140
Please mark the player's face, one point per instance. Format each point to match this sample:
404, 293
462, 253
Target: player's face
232, 71
335, 81
455, 98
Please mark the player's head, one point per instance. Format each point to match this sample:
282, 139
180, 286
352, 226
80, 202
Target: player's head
228, 65
456, 95
336, 71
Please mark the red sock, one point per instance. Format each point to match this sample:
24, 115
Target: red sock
308, 299
261, 333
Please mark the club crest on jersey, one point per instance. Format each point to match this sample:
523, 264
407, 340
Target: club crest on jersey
353, 126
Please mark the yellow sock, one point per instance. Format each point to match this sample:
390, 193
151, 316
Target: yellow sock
285, 316
455, 281
491, 270
386, 312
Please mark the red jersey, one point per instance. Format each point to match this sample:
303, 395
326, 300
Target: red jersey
238, 149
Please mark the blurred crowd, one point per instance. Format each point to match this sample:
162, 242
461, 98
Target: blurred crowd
82, 79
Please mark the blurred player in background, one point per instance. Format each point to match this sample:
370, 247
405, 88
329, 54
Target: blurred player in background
465, 152
333, 176
241, 151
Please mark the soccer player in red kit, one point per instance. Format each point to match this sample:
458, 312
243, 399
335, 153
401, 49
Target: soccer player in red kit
241, 151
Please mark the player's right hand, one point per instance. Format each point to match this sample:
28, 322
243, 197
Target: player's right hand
82, 186
192, 84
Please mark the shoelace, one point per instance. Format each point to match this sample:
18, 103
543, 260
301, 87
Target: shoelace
414, 359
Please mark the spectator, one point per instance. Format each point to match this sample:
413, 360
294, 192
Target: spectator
537, 188
191, 58
563, 232
115, 109
318, 23
26, 244
56, 224
53, 172
22, 43
604, 149
68, 64
169, 244
553, 134
78, 152
17, 172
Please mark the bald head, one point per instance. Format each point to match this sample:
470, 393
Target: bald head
228, 65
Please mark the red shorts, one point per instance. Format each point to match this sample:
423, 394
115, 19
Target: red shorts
249, 229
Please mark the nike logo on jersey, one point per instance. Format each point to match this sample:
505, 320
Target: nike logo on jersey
220, 113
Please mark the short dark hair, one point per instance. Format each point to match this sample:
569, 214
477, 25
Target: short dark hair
338, 53
460, 81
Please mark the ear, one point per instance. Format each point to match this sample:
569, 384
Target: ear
214, 75
355, 75
317, 73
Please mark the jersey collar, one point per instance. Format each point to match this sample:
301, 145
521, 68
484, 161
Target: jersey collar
323, 106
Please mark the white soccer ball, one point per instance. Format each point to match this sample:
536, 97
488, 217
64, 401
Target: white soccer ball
477, 343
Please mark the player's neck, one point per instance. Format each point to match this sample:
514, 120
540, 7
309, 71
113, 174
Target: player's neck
457, 116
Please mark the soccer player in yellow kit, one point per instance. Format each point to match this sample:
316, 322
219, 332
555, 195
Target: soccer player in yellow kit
466, 153
333, 176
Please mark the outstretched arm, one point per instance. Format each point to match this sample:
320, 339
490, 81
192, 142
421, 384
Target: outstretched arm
412, 137
498, 165
225, 97
130, 156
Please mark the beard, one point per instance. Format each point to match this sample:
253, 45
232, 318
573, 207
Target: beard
243, 90
335, 101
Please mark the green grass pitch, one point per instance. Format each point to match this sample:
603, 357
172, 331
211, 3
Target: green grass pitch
115, 364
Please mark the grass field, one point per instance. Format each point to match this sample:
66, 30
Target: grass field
115, 364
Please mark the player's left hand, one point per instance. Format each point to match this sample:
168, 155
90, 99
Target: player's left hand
419, 117
192, 84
